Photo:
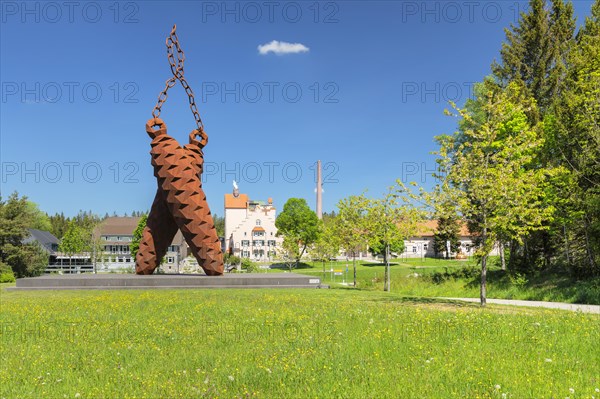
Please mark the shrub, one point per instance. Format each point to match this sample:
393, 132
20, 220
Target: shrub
250, 266
468, 273
229, 259
6, 274
518, 280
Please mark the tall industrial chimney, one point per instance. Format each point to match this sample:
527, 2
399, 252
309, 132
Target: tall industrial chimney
319, 192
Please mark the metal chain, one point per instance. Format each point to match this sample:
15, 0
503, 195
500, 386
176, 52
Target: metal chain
177, 71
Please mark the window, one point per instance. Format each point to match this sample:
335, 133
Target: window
271, 234
245, 243
245, 254
258, 222
258, 243
245, 234
414, 249
424, 247
258, 234
271, 243
170, 259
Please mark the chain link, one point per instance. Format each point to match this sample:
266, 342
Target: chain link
176, 64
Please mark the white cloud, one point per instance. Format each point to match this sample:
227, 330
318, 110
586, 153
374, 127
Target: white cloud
278, 47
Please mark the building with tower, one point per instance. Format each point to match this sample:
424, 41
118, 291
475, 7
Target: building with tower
250, 230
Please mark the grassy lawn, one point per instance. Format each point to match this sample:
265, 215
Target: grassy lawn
288, 344
410, 277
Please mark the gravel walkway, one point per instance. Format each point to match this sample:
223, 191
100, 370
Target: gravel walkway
537, 304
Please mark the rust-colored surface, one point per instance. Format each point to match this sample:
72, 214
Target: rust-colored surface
180, 203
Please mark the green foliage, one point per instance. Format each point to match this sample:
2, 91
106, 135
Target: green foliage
491, 173
16, 216
289, 253
229, 259
299, 226
38, 219
137, 235
468, 273
448, 229
378, 247
391, 219
73, 242
58, 225
535, 50
561, 71
351, 224
219, 225
328, 244
248, 265
518, 280
6, 273
573, 130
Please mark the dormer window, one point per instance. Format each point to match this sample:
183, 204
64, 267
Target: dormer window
258, 222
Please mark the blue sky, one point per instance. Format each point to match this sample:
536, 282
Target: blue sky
79, 81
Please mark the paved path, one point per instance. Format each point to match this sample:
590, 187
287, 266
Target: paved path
537, 304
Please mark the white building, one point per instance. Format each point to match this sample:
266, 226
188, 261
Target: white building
250, 230
116, 234
421, 245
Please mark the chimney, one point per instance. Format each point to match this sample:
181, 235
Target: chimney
319, 192
236, 190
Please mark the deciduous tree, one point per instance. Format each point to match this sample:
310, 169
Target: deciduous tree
298, 224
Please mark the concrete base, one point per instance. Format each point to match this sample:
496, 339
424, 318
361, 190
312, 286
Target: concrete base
132, 281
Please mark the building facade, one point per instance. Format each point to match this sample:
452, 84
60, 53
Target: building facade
250, 230
421, 245
115, 235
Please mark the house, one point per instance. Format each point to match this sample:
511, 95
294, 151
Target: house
250, 230
421, 245
58, 261
46, 241
115, 235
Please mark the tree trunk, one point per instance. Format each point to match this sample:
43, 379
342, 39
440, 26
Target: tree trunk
354, 266
483, 291
511, 254
567, 245
587, 244
386, 284
503, 261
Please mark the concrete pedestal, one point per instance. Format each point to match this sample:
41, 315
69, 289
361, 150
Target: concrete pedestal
132, 281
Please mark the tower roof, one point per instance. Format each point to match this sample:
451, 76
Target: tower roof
239, 202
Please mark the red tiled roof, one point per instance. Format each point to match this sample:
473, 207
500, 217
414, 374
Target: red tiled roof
239, 202
428, 228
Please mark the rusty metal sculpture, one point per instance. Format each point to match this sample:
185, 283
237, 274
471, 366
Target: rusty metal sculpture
180, 202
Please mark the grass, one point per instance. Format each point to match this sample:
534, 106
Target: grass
288, 344
413, 277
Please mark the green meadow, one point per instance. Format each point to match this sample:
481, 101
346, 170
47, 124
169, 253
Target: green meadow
456, 279
337, 343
